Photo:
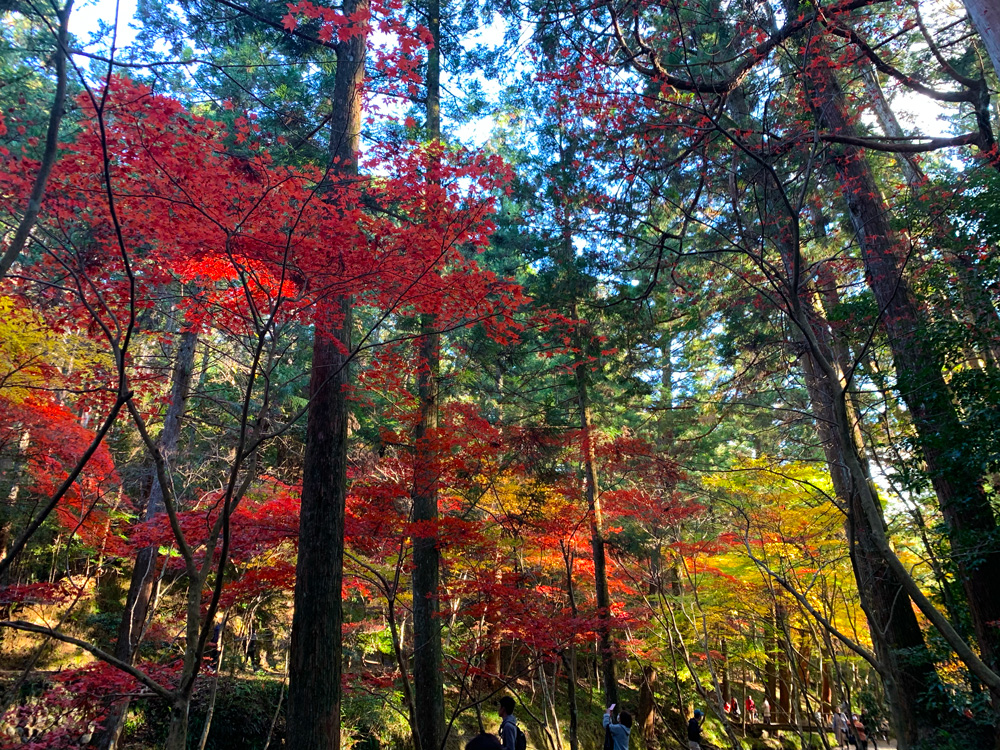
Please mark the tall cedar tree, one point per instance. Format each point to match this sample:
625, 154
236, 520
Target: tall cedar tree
314, 660
960, 487
428, 681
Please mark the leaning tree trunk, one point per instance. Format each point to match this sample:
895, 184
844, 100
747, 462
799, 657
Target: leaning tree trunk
956, 477
606, 641
314, 674
51, 151
890, 615
140, 592
428, 685
908, 670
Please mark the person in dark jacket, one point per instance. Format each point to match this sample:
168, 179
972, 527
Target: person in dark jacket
694, 730
508, 724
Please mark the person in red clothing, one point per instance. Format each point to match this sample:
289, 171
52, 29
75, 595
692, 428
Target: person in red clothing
751, 709
859, 733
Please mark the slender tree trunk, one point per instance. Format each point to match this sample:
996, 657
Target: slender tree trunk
210, 712
782, 656
401, 661
826, 686
11, 466
606, 641
315, 651
143, 580
569, 656
771, 670
956, 476
428, 686
724, 670
34, 207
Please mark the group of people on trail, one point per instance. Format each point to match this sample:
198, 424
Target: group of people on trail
511, 737
732, 709
848, 730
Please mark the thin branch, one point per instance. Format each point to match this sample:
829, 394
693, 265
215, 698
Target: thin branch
104, 656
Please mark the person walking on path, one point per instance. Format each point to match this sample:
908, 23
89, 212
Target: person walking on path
620, 730
767, 711
508, 724
840, 728
860, 734
694, 730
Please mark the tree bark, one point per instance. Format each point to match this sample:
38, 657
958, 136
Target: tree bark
957, 481
591, 487
724, 670
782, 656
985, 17
646, 716
771, 671
427, 658
143, 580
975, 298
569, 656
34, 207
428, 686
908, 669
315, 651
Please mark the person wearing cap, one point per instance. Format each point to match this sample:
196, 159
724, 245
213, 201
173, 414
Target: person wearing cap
694, 729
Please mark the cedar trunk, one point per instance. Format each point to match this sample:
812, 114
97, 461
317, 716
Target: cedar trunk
428, 686
605, 642
959, 484
985, 16
908, 672
908, 669
314, 658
